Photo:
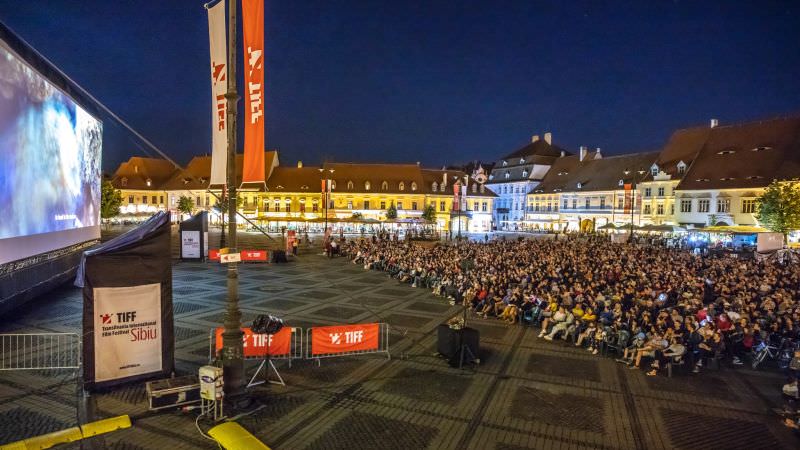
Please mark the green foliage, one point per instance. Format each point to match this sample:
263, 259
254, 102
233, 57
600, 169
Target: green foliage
778, 208
185, 204
429, 213
391, 213
110, 199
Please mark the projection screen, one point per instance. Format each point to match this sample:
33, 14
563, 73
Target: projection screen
50, 151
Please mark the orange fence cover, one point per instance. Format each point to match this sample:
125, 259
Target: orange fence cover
344, 338
256, 345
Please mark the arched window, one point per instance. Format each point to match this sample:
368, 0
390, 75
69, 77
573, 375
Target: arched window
349, 185
508, 174
366, 185
124, 182
434, 186
385, 186
401, 186
413, 185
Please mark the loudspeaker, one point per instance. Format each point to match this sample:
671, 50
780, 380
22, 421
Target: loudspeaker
449, 342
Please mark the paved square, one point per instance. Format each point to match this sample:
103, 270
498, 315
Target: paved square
527, 393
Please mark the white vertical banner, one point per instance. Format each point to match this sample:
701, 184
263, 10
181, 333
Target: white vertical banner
127, 331
219, 85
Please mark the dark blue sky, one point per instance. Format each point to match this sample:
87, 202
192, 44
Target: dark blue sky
437, 82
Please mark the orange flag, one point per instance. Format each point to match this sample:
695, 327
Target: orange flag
253, 31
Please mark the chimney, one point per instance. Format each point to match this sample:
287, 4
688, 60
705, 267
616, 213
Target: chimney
714, 123
598, 155
299, 164
444, 179
548, 137
534, 138
584, 150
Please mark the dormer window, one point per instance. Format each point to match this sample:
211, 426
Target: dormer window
525, 173
149, 182
401, 186
123, 181
727, 151
203, 180
563, 173
681, 167
755, 177
762, 148
434, 186
522, 160
349, 185
333, 184
187, 180
727, 179
507, 175
654, 170
385, 186
621, 183
579, 185
491, 176
414, 186
702, 179
474, 188
505, 163
367, 185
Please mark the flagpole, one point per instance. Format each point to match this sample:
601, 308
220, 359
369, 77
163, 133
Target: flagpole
232, 358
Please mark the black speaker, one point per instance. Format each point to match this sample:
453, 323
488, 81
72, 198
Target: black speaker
449, 342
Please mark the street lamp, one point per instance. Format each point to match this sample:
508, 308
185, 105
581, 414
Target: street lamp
627, 172
325, 192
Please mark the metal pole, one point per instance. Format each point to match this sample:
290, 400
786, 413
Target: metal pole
232, 358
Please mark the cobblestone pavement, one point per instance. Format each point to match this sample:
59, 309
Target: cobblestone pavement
527, 393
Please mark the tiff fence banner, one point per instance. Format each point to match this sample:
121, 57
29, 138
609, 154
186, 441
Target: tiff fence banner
344, 339
261, 345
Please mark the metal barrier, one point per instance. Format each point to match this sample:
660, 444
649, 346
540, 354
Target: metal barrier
383, 345
295, 352
40, 351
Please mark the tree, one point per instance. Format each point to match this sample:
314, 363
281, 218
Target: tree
185, 204
429, 213
222, 204
778, 208
110, 199
391, 213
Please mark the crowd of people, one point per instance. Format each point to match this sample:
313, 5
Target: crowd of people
650, 303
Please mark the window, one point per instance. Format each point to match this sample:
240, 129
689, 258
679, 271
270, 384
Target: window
383, 205
266, 205
244, 201
661, 192
366, 185
208, 201
672, 209
366, 204
748, 206
681, 168
401, 186
647, 209
723, 205
302, 206
154, 200
331, 205
349, 204
399, 205
686, 206
288, 207
333, 184
385, 186
123, 181
525, 173
703, 205
565, 203
660, 209
648, 192
414, 206
484, 205
349, 185
474, 188
602, 203
314, 207
536, 207
474, 206
587, 203
574, 203
621, 183
654, 170
161, 199
505, 163
442, 206
434, 186
413, 185
144, 199
620, 205
508, 175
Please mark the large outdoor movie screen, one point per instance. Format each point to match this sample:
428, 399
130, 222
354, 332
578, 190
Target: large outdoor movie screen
49, 164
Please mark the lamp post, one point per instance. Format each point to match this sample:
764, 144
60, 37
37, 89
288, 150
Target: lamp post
633, 197
232, 347
325, 198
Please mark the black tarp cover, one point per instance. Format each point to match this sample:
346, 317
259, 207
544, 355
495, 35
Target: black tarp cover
141, 256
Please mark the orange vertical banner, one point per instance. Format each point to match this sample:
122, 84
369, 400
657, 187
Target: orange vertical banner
253, 32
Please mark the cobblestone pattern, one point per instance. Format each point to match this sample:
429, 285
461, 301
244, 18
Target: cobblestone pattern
526, 393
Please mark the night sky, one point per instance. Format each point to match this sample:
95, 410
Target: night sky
436, 82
